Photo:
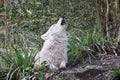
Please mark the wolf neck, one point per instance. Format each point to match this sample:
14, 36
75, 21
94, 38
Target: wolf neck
60, 36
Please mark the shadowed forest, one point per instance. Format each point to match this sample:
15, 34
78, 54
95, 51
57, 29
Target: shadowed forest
93, 38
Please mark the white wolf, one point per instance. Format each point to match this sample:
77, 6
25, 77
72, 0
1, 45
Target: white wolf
54, 50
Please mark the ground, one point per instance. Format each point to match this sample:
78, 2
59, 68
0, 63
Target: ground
99, 69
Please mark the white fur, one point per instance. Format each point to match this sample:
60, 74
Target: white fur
54, 50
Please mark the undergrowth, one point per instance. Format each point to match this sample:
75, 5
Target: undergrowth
84, 44
116, 73
17, 59
19, 64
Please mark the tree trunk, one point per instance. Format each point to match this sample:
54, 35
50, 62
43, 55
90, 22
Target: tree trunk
109, 14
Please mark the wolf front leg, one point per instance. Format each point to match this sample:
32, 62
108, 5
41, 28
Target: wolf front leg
62, 65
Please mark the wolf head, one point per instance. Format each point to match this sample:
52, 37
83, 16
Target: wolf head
58, 28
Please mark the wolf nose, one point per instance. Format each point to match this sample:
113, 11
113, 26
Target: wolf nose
63, 21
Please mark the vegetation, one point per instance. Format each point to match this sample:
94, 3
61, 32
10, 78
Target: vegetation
116, 73
19, 63
84, 43
92, 25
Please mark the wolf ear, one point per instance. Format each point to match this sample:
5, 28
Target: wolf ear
45, 36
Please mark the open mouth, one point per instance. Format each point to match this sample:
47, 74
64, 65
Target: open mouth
63, 22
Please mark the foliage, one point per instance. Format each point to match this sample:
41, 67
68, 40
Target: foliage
116, 73
84, 43
108, 17
41, 14
19, 63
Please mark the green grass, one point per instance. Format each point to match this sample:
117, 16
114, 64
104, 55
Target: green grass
19, 63
84, 43
116, 73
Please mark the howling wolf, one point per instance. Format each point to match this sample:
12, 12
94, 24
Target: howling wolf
54, 51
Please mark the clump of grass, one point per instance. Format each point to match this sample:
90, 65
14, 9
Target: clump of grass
116, 73
84, 43
17, 61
